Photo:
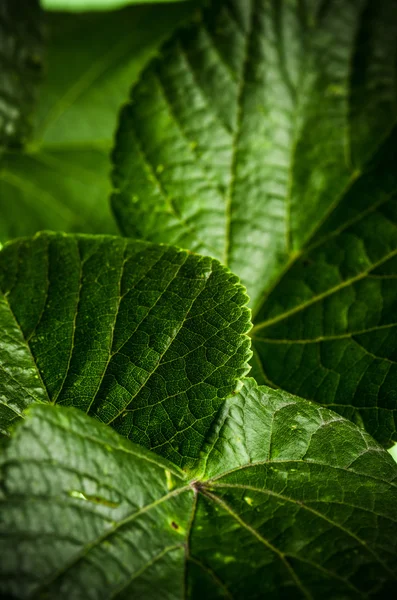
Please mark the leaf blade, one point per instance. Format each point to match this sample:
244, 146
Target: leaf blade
147, 338
303, 504
105, 521
269, 453
341, 332
295, 149
280, 78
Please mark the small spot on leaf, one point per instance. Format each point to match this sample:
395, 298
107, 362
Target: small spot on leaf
94, 499
169, 481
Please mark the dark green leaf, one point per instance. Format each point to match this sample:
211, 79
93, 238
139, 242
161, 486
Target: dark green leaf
264, 137
147, 338
21, 48
328, 330
289, 501
61, 181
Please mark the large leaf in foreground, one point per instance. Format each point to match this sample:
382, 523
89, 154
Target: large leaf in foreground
264, 137
61, 181
21, 48
147, 338
292, 502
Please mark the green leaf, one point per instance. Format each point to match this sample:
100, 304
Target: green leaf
81, 5
147, 338
61, 181
292, 502
21, 48
328, 330
264, 137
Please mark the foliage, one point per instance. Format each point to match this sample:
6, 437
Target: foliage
280, 505
147, 338
288, 176
137, 460
61, 180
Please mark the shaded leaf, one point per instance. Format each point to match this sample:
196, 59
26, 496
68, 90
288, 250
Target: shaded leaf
21, 57
290, 500
328, 329
61, 181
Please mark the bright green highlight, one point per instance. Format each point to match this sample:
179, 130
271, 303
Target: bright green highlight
85, 5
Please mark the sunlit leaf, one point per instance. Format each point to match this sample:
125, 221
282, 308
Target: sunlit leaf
150, 339
264, 137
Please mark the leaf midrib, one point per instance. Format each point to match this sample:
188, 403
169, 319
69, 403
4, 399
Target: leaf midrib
319, 297
309, 509
206, 489
212, 480
236, 136
88, 547
326, 338
208, 493
261, 539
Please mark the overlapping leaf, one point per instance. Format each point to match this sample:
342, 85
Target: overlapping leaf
21, 49
147, 338
328, 329
264, 137
61, 181
291, 501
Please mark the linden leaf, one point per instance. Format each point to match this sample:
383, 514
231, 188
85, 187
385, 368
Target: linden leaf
147, 338
264, 136
291, 501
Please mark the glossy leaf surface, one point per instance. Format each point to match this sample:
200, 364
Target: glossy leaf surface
264, 137
147, 338
291, 501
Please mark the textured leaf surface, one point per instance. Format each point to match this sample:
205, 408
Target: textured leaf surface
21, 48
147, 338
265, 137
328, 330
61, 182
292, 502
